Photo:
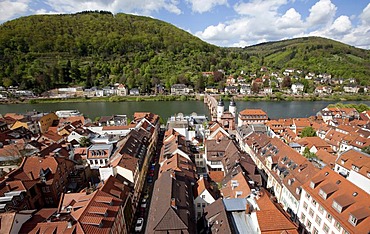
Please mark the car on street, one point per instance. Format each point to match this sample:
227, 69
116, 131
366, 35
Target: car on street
150, 179
143, 203
139, 225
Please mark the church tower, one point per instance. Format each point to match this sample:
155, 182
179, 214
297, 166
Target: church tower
220, 109
232, 107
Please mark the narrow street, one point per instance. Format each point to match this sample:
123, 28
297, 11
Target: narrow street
142, 210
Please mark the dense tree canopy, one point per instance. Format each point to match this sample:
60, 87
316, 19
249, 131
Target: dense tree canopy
308, 132
98, 49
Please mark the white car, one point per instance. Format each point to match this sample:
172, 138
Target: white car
143, 203
139, 225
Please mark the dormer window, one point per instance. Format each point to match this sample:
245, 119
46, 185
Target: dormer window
312, 185
355, 168
298, 190
337, 207
352, 220
322, 194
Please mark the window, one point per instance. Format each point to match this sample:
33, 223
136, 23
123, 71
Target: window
314, 202
318, 220
315, 231
203, 196
303, 217
311, 212
298, 190
305, 205
352, 219
49, 200
308, 196
308, 225
198, 205
321, 209
325, 228
329, 217
45, 189
337, 225
322, 194
355, 168
203, 205
345, 232
337, 207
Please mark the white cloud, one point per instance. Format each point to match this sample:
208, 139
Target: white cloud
291, 19
322, 13
45, 12
145, 7
9, 9
259, 7
201, 6
341, 25
259, 20
365, 15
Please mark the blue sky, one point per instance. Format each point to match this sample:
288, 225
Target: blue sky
228, 22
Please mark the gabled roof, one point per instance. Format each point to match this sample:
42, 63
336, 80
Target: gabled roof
52, 136
237, 187
216, 215
179, 164
95, 212
253, 112
172, 205
351, 198
270, 218
203, 185
115, 187
353, 158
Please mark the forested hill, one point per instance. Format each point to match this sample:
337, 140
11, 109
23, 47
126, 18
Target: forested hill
98, 49
316, 54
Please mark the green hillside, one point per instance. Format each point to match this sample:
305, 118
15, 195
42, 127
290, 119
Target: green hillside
315, 54
98, 49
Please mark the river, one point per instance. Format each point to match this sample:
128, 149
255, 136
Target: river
283, 109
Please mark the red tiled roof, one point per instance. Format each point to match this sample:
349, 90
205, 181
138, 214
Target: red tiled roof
253, 112
351, 197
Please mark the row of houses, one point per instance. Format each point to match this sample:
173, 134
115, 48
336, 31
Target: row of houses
201, 181
80, 189
211, 178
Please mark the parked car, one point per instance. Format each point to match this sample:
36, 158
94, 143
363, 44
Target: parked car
143, 203
139, 225
150, 179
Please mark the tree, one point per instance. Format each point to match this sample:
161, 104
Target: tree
85, 142
308, 154
366, 150
287, 82
308, 132
255, 88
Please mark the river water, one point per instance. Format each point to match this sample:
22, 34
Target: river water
165, 109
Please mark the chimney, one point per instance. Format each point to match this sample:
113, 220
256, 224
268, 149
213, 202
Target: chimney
69, 225
173, 203
248, 208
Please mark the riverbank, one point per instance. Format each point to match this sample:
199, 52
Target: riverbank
274, 97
